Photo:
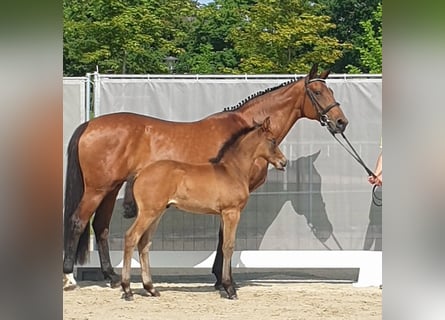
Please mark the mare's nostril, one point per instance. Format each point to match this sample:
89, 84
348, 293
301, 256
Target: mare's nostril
341, 124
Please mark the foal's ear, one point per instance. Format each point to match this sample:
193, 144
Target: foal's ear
325, 74
266, 124
313, 72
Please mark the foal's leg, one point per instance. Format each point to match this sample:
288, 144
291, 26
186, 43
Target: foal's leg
144, 258
101, 225
230, 219
132, 237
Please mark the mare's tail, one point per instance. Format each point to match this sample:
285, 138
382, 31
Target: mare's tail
73, 194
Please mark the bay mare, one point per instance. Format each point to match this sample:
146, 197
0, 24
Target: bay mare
218, 187
106, 151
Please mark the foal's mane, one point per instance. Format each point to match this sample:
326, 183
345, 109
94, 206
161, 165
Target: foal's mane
230, 142
260, 93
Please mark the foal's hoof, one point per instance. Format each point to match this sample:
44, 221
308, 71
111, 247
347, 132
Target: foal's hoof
155, 293
151, 289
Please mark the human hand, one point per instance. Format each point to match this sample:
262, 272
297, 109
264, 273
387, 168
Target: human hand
375, 180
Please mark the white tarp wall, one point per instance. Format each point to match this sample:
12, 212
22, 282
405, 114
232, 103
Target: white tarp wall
322, 201
74, 110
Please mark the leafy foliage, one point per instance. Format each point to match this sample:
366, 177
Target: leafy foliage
284, 37
224, 36
122, 36
370, 44
347, 16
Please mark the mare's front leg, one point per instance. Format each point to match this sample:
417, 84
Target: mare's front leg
218, 263
101, 226
230, 219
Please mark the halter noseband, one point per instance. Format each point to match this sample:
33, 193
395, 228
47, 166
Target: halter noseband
322, 112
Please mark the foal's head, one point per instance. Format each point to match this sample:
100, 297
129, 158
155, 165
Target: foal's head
268, 147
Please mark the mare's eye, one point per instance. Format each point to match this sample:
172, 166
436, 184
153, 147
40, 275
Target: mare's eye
317, 92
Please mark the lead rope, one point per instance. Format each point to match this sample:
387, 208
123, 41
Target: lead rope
375, 199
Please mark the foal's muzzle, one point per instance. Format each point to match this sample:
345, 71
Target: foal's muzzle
281, 164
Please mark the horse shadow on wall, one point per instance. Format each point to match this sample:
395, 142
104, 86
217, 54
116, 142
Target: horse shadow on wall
300, 187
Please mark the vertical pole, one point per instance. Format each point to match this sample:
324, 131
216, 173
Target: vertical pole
87, 97
96, 87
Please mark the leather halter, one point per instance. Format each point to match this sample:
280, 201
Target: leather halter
322, 112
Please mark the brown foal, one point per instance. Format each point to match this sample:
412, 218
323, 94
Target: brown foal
220, 187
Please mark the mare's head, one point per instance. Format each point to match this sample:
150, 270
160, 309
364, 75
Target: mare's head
321, 104
267, 146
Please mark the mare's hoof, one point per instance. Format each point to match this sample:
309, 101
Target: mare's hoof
115, 283
218, 286
70, 287
69, 283
233, 297
128, 296
115, 279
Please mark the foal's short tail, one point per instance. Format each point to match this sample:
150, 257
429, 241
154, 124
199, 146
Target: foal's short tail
73, 194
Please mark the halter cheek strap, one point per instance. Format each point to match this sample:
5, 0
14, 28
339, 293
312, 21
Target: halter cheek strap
322, 112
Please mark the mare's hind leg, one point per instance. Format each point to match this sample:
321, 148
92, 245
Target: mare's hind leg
77, 224
144, 247
101, 226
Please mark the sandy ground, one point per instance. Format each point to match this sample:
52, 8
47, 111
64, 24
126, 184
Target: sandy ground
258, 299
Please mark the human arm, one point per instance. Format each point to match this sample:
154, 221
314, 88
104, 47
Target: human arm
378, 179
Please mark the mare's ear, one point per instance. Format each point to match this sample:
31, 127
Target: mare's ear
325, 74
266, 124
313, 72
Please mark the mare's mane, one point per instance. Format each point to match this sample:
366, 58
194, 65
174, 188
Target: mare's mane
230, 142
260, 93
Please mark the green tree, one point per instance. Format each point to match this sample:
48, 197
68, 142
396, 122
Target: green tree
369, 45
285, 36
123, 36
208, 48
347, 15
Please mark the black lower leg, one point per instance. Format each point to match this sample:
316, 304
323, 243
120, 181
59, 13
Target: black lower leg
105, 261
217, 264
71, 244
